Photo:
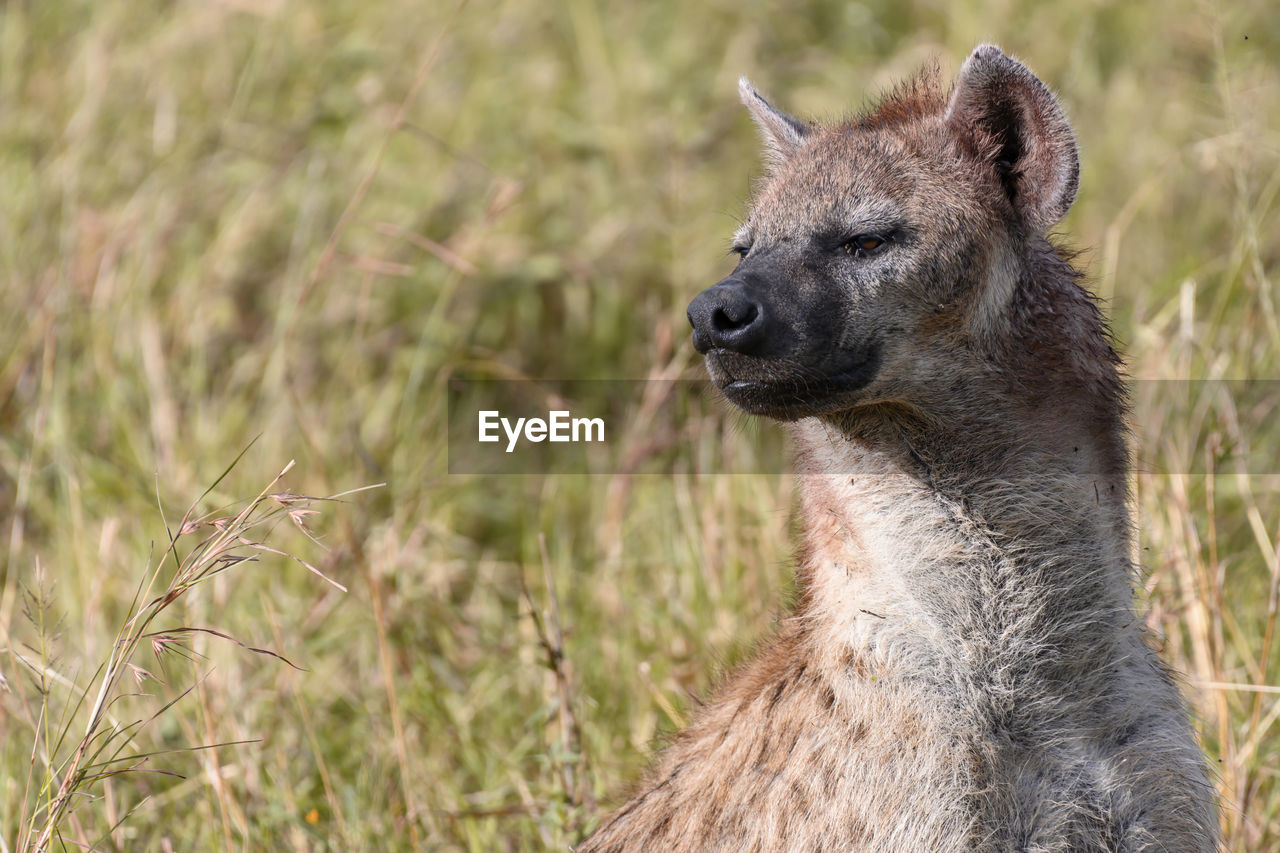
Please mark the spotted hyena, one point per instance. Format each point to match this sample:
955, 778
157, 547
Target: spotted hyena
964, 669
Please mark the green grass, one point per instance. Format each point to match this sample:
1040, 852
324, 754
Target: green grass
212, 232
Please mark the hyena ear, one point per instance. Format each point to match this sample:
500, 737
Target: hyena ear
783, 135
1021, 131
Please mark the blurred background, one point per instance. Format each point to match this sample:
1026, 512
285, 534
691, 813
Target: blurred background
295, 221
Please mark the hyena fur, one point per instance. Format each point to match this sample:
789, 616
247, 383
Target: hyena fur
964, 669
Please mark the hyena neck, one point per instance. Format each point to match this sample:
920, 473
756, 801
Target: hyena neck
1005, 552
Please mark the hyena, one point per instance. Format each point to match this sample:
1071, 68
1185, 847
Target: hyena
964, 669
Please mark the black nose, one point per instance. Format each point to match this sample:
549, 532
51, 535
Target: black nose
727, 317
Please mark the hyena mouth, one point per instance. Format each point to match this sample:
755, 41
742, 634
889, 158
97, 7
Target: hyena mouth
790, 397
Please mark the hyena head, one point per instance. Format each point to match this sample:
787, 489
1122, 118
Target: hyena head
882, 256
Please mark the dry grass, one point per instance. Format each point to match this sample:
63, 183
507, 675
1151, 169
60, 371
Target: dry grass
64, 798
299, 220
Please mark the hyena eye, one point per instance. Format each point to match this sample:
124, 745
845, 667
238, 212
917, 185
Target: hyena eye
740, 251
865, 244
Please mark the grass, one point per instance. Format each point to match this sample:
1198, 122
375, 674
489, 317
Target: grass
296, 221
63, 770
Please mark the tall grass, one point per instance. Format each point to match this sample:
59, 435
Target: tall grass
300, 220
69, 768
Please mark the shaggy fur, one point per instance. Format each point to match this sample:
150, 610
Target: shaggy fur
964, 669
